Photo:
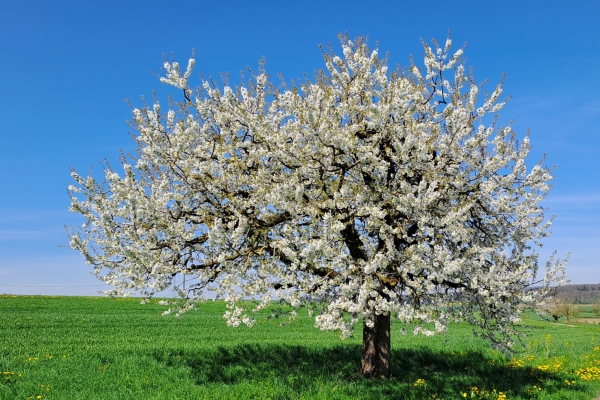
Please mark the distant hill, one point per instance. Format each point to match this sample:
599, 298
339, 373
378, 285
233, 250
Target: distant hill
579, 294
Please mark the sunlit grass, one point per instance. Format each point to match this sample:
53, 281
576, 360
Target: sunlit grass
98, 348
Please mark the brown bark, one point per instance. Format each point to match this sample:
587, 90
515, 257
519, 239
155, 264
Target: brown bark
375, 361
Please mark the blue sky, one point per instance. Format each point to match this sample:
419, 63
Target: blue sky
68, 66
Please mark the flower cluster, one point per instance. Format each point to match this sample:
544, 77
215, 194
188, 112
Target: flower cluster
475, 393
591, 372
419, 382
9, 375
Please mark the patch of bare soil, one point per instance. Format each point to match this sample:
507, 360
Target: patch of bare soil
588, 320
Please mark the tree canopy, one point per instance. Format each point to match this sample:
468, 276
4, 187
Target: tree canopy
359, 194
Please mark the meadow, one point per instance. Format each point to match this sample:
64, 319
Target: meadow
102, 348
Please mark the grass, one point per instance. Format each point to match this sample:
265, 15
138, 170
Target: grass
99, 348
587, 311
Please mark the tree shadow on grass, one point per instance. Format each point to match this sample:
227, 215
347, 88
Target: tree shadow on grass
445, 374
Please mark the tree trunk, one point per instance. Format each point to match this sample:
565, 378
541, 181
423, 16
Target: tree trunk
375, 362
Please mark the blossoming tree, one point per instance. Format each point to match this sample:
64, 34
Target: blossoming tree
362, 195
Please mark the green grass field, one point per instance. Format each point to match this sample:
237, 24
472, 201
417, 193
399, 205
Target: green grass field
99, 348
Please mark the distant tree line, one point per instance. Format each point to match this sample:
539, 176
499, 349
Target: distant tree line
579, 294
